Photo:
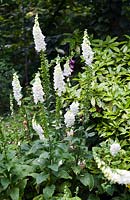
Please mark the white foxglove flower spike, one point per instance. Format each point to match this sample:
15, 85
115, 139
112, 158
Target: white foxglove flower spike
17, 89
59, 84
114, 175
74, 107
37, 127
67, 69
69, 118
37, 89
39, 38
87, 50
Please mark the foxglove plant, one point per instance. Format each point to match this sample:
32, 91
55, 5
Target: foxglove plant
119, 176
59, 87
74, 107
67, 69
59, 84
11, 105
37, 127
69, 118
87, 52
17, 89
85, 78
40, 46
39, 38
38, 96
37, 89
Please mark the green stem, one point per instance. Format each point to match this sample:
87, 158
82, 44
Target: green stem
58, 109
45, 122
87, 92
45, 75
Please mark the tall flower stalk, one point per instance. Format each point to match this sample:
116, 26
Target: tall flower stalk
17, 89
87, 52
44, 69
39, 38
37, 89
59, 87
40, 46
85, 78
38, 95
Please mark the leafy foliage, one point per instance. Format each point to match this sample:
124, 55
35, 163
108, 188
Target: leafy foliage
62, 166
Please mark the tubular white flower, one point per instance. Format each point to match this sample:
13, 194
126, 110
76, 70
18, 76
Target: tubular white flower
37, 127
67, 70
16, 89
74, 107
114, 149
39, 38
69, 118
87, 50
37, 89
59, 84
119, 176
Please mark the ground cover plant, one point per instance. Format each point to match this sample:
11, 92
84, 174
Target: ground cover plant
69, 138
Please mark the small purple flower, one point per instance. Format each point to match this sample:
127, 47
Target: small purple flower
71, 63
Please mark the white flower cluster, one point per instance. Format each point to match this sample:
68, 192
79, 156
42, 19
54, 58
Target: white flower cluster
59, 84
16, 89
37, 127
37, 89
114, 149
119, 176
39, 38
74, 107
87, 50
69, 116
67, 69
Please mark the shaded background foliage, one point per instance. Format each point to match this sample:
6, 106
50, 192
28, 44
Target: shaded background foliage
58, 19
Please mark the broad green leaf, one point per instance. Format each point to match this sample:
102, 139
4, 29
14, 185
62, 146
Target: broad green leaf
64, 174
44, 155
4, 182
54, 167
87, 180
41, 177
108, 188
14, 193
48, 191
76, 169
